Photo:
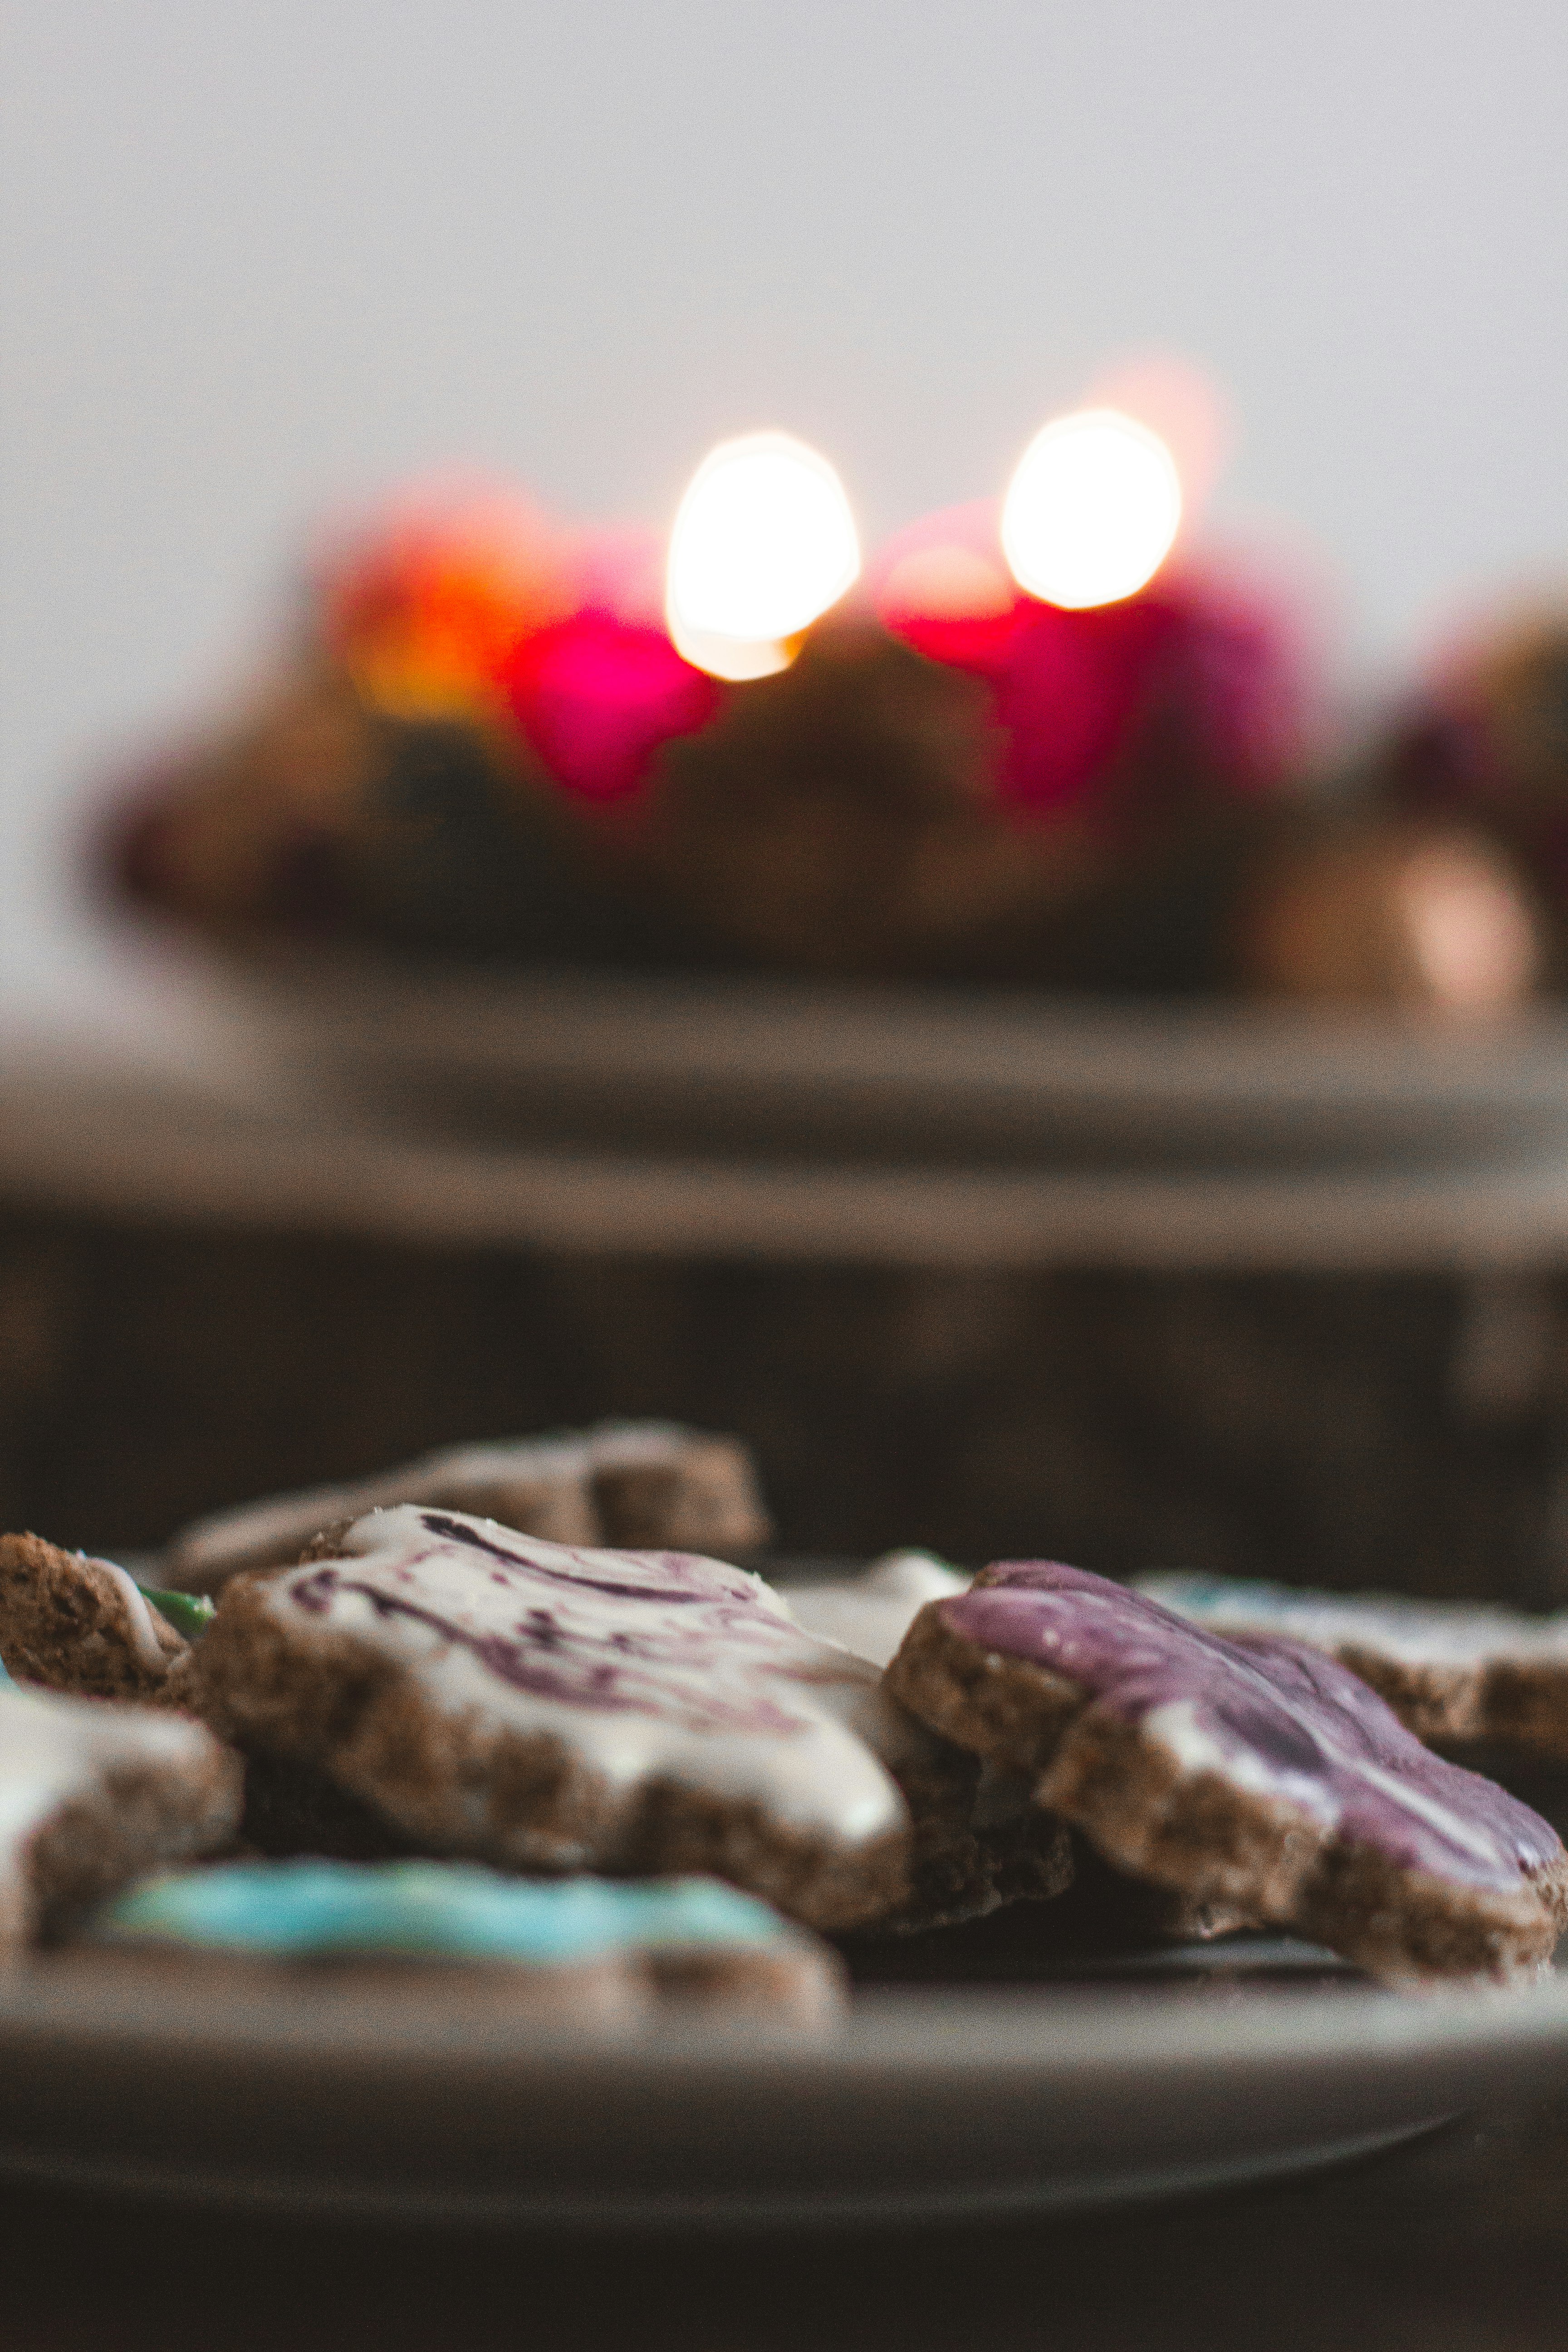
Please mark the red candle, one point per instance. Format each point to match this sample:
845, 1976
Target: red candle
1207, 658
597, 697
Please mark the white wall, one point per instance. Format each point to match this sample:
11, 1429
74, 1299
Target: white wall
257, 256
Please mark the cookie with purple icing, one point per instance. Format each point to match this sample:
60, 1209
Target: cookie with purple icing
92, 1793
79, 1624
624, 1484
588, 1949
1266, 1780
551, 1709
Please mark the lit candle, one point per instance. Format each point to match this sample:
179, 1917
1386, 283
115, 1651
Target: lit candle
1064, 682
1092, 511
764, 544
1092, 651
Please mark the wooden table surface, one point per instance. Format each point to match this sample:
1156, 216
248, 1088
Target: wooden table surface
1460, 2244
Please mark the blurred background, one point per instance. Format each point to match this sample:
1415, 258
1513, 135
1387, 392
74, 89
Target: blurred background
1139, 1289
260, 263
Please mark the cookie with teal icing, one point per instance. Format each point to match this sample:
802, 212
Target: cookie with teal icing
76, 1623
1461, 1674
1264, 1778
576, 1944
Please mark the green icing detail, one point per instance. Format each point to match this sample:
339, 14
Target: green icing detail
189, 1613
432, 1908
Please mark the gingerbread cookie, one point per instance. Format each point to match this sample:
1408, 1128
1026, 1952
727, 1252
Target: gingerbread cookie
79, 1624
1267, 1780
632, 1484
553, 1709
1462, 1677
573, 1947
93, 1792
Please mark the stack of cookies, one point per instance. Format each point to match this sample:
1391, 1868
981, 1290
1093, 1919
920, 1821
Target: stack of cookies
383, 1729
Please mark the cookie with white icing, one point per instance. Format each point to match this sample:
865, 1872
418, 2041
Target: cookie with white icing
93, 1793
1463, 1676
567, 1950
79, 1624
626, 1483
1266, 1778
554, 1708
870, 1613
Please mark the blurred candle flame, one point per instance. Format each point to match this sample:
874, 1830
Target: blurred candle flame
764, 544
1092, 511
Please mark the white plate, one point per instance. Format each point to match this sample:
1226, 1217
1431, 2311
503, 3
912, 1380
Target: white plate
944, 2100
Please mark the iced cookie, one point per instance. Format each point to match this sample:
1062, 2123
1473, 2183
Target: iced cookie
79, 1624
1266, 1780
547, 1707
573, 1947
91, 1793
632, 1484
871, 1612
1460, 1676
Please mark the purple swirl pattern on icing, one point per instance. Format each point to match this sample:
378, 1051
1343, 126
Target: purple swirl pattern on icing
578, 1635
441, 1523
1272, 1716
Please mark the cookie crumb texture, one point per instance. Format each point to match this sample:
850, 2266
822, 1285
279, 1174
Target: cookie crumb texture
555, 1710
92, 1794
79, 1624
627, 1485
1266, 1779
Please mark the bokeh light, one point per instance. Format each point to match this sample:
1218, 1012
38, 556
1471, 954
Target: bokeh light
764, 544
1092, 511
